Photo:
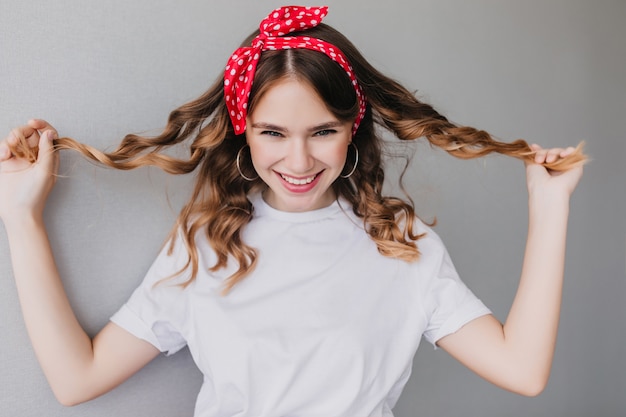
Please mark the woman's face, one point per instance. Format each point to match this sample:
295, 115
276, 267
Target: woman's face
298, 147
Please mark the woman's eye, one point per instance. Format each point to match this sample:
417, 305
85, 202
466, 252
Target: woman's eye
325, 132
271, 133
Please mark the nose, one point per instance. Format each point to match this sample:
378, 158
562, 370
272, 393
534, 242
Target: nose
299, 159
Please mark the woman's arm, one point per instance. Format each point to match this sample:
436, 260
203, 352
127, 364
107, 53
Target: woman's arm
518, 355
77, 368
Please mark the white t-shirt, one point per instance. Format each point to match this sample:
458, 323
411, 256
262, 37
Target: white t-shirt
325, 326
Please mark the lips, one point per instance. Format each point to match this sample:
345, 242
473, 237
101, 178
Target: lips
299, 184
298, 181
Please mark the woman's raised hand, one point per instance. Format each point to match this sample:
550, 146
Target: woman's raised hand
77, 367
542, 181
28, 167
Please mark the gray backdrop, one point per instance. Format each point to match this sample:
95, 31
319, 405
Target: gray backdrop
553, 72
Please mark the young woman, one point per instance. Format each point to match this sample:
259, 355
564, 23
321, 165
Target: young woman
299, 288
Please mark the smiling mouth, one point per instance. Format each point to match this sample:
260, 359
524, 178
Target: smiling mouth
299, 181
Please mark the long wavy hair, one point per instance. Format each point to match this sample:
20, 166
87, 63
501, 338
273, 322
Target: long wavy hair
219, 207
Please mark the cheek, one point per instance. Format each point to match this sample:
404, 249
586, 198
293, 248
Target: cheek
262, 156
337, 155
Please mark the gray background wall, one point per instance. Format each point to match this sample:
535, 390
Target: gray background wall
553, 72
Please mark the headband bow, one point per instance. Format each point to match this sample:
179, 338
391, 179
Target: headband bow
239, 73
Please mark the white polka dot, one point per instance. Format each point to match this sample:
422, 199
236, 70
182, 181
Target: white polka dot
240, 62
276, 27
275, 15
288, 22
314, 22
226, 82
245, 105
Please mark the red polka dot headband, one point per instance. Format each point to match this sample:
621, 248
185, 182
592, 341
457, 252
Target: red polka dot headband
239, 73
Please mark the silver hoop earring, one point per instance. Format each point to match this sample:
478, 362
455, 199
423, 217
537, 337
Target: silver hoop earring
238, 163
356, 161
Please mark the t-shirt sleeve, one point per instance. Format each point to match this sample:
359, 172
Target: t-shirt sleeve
155, 310
448, 302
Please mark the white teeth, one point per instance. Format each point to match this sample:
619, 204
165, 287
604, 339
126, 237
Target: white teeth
295, 181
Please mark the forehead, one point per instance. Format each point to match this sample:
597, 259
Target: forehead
291, 102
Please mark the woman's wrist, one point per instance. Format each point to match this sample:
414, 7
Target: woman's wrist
23, 222
549, 200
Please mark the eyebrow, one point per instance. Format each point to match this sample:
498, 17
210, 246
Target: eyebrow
269, 126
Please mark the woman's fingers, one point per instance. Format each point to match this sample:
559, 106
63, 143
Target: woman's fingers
551, 154
539, 176
23, 141
40, 124
49, 133
46, 156
24, 134
28, 171
5, 152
